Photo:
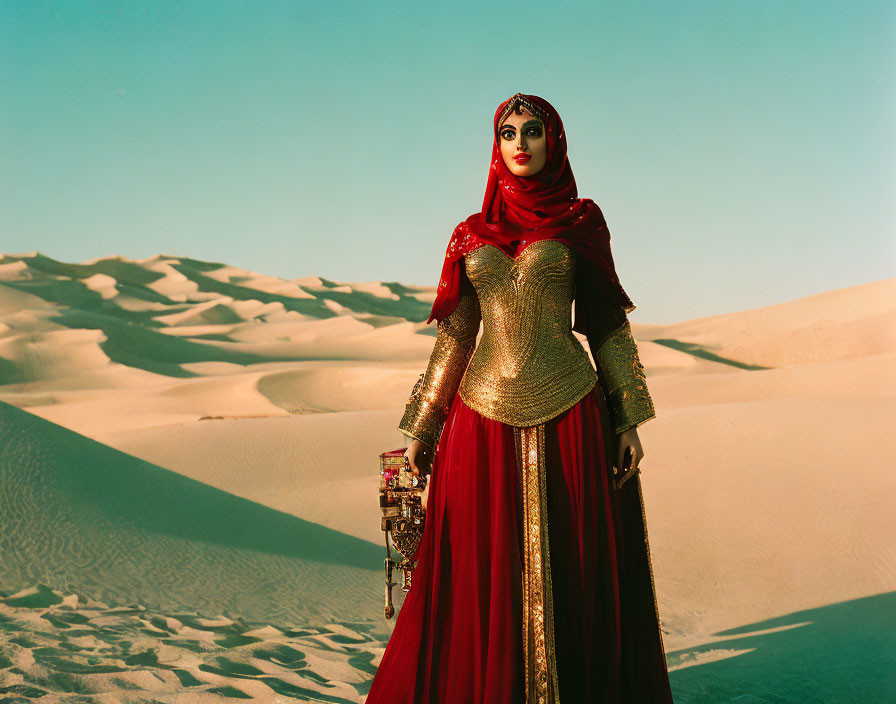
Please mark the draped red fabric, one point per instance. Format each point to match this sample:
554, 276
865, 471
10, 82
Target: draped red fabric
518, 211
457, 636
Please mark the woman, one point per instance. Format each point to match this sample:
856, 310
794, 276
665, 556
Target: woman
533, 581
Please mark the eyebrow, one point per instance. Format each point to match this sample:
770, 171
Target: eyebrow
532, 123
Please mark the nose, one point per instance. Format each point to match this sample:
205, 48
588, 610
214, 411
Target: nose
522, 144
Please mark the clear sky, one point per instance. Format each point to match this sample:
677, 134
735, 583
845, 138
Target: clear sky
743, 153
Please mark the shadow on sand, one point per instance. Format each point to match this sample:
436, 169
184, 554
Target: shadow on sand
77, 514
834, 654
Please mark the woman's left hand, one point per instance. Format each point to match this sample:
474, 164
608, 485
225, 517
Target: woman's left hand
629, 438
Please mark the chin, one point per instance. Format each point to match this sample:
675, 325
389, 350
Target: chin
523, 170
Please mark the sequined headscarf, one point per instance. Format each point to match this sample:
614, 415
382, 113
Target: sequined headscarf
518, 211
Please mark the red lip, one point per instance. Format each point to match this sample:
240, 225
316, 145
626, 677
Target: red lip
522, 158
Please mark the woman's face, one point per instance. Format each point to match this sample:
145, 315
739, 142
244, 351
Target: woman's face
523, 144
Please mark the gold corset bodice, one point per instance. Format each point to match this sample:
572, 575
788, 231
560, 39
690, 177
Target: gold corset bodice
528, 367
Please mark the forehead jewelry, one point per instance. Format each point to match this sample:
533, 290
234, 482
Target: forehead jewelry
521, 99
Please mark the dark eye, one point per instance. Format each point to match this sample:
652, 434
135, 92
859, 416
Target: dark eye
508, 134
534, 132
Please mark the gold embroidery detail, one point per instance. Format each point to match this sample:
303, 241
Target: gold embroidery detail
625, 383
429, 403
528, 366
539, 653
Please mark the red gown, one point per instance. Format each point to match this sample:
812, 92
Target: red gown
458, 637
533, 582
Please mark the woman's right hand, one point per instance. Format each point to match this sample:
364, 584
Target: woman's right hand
419, 456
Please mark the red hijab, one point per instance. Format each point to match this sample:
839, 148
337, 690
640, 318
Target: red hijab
518, 211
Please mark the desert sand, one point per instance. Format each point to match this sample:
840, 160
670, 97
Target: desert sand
188, 485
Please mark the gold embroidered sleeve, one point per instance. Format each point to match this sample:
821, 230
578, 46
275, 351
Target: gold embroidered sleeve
624, 380
429, 403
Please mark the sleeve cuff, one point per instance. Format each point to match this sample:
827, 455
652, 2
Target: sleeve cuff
425, 439
631, 407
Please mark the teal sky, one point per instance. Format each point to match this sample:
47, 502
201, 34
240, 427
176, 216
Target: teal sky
744, 153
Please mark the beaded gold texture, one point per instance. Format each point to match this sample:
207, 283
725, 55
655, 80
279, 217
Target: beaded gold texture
521, 99
528, 366
429, 403
625, 381
539, 651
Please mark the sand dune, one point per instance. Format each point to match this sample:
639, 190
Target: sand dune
767, 476
841, 324
112, 525
66, 644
